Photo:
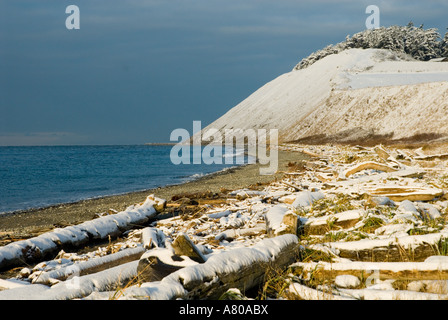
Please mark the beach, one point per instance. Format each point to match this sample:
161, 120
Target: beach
29, 223
329, 216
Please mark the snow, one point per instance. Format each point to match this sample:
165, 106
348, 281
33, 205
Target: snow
407, 242
306, 198
233, 235
275, 215
175, 284
347, 281
76, 287
431, 264
357, 89
342, 216
99, 228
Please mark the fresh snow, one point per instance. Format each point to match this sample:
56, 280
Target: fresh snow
363, 90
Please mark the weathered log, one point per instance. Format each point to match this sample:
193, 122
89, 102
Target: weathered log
342, 220
368, 165
242, 268
307, 293
231, 234
76, 287
152, 237
381, 270
159, 203
90, 266
156, 264
442, 156
306, 198
280, 220
407, 248
407, 193
183, 246
49, 244
381, 152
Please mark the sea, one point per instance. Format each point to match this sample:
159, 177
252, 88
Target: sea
41, 176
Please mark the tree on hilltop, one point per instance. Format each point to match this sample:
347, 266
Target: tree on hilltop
419, 43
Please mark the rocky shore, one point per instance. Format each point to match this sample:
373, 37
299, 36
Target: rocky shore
335, 222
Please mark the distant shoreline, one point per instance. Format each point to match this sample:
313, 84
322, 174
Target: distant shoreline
160, 144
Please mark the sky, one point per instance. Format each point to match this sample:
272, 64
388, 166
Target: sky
136, 70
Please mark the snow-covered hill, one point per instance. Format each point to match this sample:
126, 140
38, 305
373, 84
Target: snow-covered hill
351, 95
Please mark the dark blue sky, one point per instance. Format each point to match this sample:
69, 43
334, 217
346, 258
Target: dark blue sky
136, 70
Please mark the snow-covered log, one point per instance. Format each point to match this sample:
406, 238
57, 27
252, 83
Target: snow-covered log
76, 287
415, 248
307, 293
158, 263
321, 225
231, 234
306, 198
241, 268
368, 165
427, 270
152, 237
50, 243
91, 266
183, 246
398, 193
280, 220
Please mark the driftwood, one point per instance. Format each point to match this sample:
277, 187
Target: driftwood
409, 248
407, 193
343, 220
382, 270
280, 220
231, 234
242, 268
90, 266
152, 237
49, 244
183, 246
76, 287
159, 203
442, 156
368, 165
381, 152
154, 265
158, 263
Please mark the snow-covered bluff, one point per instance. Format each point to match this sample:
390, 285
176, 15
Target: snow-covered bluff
347, 96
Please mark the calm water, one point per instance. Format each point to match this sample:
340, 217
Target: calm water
32, 177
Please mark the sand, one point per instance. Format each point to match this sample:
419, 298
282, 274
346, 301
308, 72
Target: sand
24, 224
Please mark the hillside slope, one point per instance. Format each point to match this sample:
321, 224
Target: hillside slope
355, 94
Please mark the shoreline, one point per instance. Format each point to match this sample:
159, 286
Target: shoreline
25, 223
59, 204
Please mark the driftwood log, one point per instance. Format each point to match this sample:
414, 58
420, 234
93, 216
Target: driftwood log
183, 246
382, 270
409, 248
242, 268
343, 220
368, 165
90, 266
154, 265
49, 244
280, 220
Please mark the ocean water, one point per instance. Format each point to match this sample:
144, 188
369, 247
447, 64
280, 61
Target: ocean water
35, 177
